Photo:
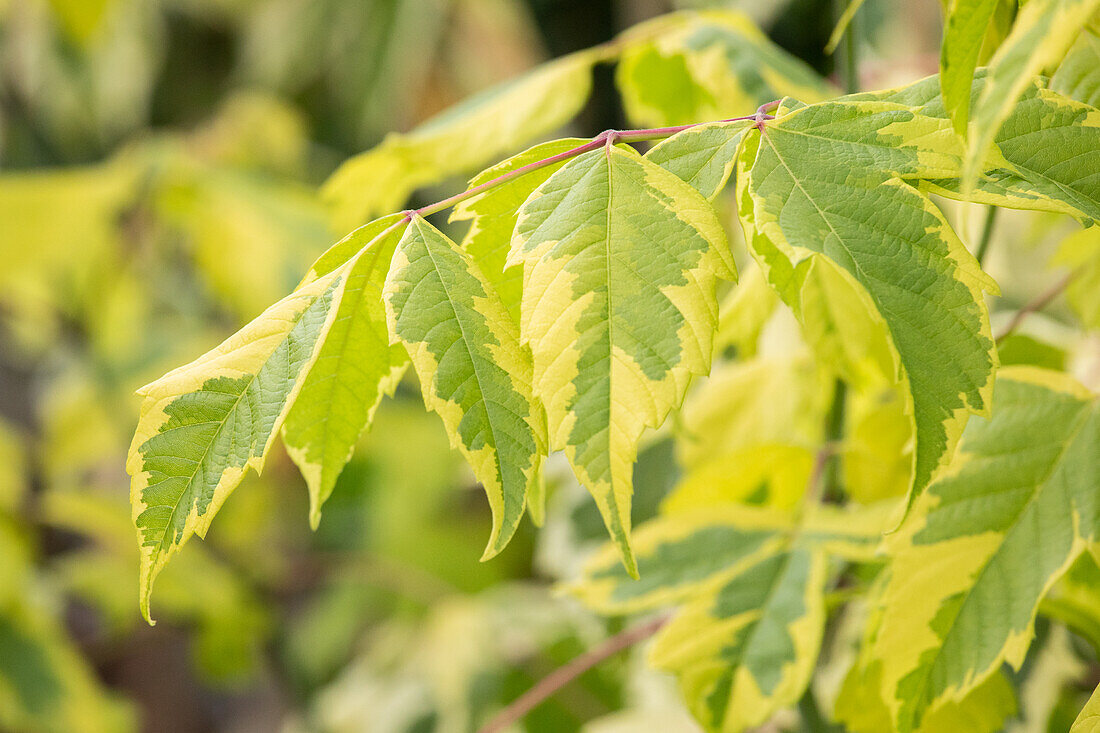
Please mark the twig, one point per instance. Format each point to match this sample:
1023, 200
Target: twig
1038, 303
605, 137
560, 677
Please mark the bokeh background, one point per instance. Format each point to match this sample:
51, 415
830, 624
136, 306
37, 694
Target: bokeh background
159, 172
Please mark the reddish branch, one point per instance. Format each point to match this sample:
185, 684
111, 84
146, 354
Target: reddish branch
562, 676
1038, 303
604, 138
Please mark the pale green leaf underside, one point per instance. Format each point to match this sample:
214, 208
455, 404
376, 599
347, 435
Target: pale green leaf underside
708, 66
1079, 75
1081, 253
620, 258
203, 425
987, 541
355, 368
473, 372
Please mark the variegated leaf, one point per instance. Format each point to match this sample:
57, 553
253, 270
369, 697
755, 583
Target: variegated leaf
619, 264
986, 542
984, 709
356, 365
702, 155
748, 649
704, 66
699, 542
822, 181
964, 31
1043, 157
620, 259
680, 555
203, 425
472, 369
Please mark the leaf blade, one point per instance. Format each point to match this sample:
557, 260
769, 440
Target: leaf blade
472, 370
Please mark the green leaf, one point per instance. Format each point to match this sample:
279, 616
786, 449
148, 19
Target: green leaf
203, 425
825, 181
472, 369
1041, 36
620, 259
355, 368
492, 216
964, 32
985, 543
749, 648
1079, 75
707, 66
465, 137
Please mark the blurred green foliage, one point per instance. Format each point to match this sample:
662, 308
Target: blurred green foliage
159, 174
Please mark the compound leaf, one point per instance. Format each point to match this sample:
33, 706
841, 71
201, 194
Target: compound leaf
985, 543
473, 372
620, 259
355, 368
